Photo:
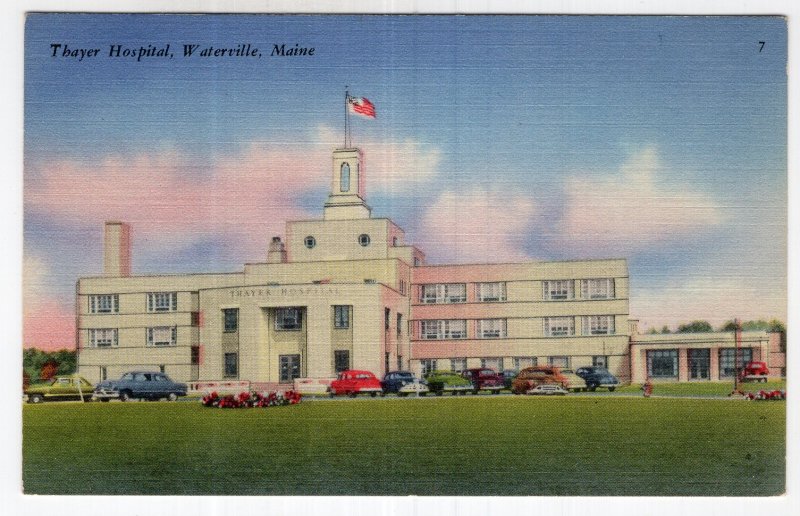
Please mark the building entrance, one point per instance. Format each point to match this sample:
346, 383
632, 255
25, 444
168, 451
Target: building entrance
699, 364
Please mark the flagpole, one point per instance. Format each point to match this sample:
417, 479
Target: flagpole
346, 115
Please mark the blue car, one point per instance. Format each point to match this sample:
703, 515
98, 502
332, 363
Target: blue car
140, 385
597, 377
403, 383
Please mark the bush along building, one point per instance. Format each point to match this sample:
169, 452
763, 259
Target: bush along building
347, 291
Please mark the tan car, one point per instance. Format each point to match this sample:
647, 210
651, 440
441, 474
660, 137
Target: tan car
574, 382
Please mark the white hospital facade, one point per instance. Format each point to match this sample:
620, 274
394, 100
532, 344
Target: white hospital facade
347, 291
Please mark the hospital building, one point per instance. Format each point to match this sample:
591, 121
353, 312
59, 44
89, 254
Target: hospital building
348, 292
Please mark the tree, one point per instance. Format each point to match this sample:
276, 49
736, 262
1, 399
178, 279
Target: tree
665, 329
48, 370
695, 327
652, 331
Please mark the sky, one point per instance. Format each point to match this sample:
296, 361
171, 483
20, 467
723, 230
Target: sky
661, 140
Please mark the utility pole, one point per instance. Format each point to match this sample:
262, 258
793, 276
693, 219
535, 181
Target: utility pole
737, 334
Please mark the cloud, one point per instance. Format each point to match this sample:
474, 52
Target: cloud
713, 298
634, 208
392, 166
47, 322
477, 226
174, 202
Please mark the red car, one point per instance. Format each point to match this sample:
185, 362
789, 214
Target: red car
754, 372
354, 382
484, 379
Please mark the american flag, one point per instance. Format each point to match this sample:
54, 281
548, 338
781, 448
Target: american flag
361, 106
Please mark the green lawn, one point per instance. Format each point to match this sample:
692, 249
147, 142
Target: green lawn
721, 389
442, 446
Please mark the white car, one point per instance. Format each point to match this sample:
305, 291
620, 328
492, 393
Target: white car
548, 389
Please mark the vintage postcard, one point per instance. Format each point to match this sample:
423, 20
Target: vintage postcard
404, 255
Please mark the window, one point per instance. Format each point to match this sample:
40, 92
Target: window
231, 365
558, 361
458, 364
601, 288
600, 361
363, 240
443, 329
492, 328
195, 358
103, 338
492, 291
662, 363
289, 367
195, 318
386, 357
728, 363
104, 304
495, 363
598, 325
162, 368
103, 373
310, 242
559, 326
287, 319
558, 290
394, 241
399, 324
162, 336
231, 319
162, 301
387, 317
444, 293
341, 360
344, 178
399, 361
428, 365
699, 361
403, 287
341, 317
521, 363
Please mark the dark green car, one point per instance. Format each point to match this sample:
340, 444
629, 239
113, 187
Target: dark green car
440, 382
68, 387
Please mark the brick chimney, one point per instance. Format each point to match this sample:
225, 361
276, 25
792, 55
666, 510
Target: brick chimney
117, 249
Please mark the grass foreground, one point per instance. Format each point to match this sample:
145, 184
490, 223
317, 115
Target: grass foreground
511, 445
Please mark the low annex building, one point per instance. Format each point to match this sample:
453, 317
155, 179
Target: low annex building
347, 292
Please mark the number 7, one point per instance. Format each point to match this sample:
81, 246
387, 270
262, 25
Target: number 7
761, 46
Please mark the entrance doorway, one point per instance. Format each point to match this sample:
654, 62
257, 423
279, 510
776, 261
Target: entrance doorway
699, 364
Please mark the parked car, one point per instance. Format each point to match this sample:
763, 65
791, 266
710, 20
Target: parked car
597, 377
140, 385
440, 382
67, 387
403, 383
530, 377
508, 377
484, 379
353, 383
574, 382
548, 389
754, 372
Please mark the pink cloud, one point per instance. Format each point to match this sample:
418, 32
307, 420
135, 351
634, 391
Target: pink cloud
47, 323
633, 208
477, 226
172, 201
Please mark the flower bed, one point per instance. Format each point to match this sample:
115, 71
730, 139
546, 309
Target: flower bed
762, 395
251, 399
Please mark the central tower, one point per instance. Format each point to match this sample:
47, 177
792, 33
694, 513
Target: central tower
347, 199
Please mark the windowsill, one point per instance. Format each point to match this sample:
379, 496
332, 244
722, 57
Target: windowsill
288, 329
230, 331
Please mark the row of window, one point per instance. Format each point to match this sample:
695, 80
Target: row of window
156, 302
446, 329
663, 363
459, 364
552, 290
155, 336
